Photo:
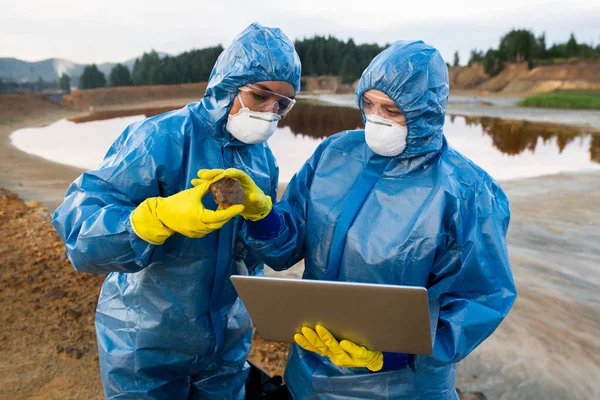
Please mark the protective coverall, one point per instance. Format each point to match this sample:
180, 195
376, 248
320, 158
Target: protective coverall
169, 323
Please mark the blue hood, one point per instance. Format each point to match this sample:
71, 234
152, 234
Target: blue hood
415, 76
257, 54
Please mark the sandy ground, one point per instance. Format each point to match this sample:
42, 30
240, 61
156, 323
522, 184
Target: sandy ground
547, 347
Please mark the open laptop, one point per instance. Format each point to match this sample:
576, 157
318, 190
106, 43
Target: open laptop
379, 317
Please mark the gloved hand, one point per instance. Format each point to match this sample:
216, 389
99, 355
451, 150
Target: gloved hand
157, 218
343, 354
256, 204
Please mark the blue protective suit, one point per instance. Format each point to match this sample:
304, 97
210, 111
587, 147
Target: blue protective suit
429, 217
169, 323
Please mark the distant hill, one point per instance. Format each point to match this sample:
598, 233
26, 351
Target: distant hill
49, 70
519, 79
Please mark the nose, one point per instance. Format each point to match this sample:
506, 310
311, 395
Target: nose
273, 108
376, 110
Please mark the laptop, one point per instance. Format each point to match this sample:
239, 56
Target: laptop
380, 317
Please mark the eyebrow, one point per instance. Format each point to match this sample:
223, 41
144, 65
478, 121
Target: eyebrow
388, 103
265, 87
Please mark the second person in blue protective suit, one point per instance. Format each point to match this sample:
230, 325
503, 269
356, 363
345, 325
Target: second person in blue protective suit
169, 323
393, 204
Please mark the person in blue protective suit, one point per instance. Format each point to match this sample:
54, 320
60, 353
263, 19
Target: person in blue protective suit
393, 204
169, 323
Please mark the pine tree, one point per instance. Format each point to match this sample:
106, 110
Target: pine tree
119, 76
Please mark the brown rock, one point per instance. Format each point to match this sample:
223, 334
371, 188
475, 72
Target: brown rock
227, 192
54, 294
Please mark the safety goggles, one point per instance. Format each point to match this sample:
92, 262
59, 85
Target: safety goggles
259, 99
389, 111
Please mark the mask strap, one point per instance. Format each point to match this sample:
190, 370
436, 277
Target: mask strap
241, 101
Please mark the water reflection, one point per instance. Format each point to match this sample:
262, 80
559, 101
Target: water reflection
506, 149
312, 119
318, 121
508, 136
595, 149
515, 137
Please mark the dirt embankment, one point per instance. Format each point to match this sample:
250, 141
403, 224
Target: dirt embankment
161, 96
158, 95
326, 85
17, 107
519, 79
515, 79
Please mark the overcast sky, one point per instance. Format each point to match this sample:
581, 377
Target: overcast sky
117, 30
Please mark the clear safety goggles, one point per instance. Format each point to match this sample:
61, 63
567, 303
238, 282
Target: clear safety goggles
259, 99
388, 111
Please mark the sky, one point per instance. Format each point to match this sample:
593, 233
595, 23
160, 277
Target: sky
118, 30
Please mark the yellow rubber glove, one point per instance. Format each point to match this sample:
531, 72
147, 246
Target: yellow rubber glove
157, 218
256, 204
343, 354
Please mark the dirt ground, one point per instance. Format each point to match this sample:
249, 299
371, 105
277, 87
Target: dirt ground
48, 340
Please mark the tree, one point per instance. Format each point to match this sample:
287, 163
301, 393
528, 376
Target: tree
348, 72
308, 65
557, 51
519, 46
320, 64
476, 57
456, 59
65, 83
191, 66
325, 56
572, 48
92, 78
171, 72
365, 54
145, 69
119, 76
493, 62
587, 51
541, 44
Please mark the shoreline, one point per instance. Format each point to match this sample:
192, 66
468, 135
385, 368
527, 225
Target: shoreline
32, 177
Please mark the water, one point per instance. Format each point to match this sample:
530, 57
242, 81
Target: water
349, 99
65, 142
506, 149
490, 106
